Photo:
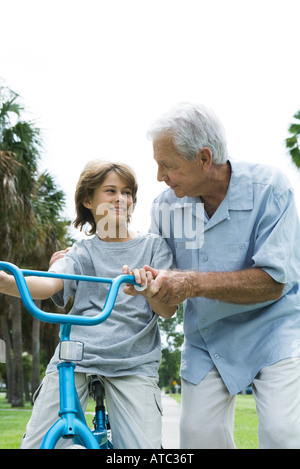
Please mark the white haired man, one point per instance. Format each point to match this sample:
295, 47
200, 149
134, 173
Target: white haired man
239, 284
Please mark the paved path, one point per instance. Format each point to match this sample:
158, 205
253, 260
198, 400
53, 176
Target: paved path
170, 422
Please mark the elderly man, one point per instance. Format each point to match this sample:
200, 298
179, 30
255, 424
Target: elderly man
238, 277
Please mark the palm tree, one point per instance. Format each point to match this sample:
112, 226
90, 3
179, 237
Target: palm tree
31, 227
49, 235
19, 145
293, 142
50, 230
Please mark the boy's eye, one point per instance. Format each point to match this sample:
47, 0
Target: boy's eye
126, 192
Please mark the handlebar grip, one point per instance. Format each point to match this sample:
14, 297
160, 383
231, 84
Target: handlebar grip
140, 288
57, 318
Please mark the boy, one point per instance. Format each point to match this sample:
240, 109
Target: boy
124, 350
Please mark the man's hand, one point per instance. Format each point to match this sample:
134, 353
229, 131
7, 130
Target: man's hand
58, 255
169, 287
145, 277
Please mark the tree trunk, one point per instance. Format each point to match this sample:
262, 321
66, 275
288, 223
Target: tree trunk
17, 376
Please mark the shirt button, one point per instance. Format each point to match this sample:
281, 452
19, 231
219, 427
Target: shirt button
216, 356
204, 258
205, 331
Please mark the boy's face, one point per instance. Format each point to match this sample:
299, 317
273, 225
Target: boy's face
112, 200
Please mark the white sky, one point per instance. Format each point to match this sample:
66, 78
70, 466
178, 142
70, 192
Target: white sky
94, 74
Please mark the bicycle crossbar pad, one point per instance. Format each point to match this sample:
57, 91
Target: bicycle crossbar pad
57, 318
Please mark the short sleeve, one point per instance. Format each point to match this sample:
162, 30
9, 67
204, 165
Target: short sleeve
66, 265
276, 247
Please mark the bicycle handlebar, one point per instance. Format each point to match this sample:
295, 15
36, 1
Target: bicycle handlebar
57, 318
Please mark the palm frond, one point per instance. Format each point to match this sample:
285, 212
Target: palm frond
292, 143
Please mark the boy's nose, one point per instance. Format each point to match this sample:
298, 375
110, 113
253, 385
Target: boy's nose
120, 197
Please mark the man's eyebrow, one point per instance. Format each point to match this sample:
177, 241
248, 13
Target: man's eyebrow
160, 160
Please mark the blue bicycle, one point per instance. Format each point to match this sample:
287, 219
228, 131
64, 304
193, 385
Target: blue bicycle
71, 423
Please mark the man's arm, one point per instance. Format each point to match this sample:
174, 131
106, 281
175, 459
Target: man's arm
239, 287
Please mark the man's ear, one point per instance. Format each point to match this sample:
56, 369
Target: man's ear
205, 158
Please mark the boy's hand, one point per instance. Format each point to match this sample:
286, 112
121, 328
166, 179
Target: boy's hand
148, 274
142, 277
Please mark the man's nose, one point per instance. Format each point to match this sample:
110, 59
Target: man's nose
161, 175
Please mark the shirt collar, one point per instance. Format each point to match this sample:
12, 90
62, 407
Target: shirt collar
239, 195
240, 190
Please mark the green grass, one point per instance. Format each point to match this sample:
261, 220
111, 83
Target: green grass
246, 421
13, 422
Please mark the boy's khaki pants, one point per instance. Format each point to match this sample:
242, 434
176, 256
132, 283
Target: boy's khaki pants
133, 404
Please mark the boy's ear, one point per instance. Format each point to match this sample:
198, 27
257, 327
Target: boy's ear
87, 204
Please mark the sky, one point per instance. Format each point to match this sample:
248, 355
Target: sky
94, 75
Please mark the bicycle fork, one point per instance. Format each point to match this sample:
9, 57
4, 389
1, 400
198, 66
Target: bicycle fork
72, 422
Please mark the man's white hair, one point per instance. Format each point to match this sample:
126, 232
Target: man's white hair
192, 127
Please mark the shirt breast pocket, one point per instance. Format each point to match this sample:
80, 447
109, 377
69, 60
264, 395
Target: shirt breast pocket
217, 257
231, 256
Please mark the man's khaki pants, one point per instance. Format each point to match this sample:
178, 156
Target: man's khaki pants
133, 404
207, 418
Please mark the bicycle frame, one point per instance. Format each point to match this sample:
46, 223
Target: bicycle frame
72, 423
101, 422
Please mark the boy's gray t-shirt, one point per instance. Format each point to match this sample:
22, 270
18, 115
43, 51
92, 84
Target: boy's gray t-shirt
128, 342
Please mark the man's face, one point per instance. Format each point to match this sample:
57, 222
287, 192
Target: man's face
184, 177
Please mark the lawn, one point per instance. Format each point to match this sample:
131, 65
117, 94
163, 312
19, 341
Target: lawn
13, 422
246, 423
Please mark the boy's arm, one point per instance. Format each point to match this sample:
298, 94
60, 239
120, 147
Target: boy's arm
141, 277
40, 288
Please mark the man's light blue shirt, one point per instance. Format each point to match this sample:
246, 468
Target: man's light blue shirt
256, 225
